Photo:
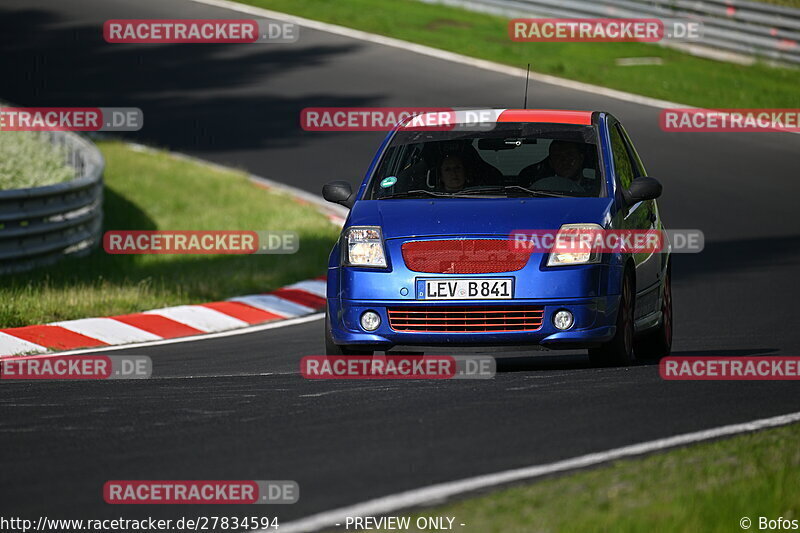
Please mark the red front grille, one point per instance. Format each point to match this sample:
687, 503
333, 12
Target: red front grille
463, 256
466, 318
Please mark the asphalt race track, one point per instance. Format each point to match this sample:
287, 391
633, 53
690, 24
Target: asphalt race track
237, 408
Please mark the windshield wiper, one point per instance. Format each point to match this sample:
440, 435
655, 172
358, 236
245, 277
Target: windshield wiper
507, 188
551, 194
475, 192
415, 192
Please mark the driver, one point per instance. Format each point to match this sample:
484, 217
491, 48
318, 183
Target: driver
562, 170
566, 161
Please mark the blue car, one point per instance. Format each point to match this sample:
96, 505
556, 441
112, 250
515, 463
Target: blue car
426, 256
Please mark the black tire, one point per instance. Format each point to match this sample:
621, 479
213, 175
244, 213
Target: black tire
331, 348
619, 350
658, 343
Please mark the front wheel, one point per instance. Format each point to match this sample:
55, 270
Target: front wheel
619, 350
331, 348
658, 343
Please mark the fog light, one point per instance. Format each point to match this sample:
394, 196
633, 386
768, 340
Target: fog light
562, 319
370, 321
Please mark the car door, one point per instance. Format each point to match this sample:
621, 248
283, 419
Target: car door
640, 216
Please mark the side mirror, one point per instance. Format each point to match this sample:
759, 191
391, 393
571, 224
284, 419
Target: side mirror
642, 189
339, 192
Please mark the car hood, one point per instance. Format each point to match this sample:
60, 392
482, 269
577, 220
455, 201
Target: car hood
477, 216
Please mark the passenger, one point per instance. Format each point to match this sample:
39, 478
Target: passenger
453, 173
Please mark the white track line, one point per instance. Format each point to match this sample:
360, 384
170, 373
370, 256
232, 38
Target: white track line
453, 57
443, 491
443, 55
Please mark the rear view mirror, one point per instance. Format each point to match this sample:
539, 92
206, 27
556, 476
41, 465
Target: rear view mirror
339, 192
503, 144
642, 189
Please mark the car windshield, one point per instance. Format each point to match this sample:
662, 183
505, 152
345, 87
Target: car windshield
509, 160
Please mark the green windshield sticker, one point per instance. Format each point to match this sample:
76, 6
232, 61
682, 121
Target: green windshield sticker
388, 182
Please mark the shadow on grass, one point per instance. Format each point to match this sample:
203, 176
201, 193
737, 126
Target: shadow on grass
101, 283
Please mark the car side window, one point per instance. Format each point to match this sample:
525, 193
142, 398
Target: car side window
622, 163
636, 161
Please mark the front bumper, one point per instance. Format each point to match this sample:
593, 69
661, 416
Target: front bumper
594, 324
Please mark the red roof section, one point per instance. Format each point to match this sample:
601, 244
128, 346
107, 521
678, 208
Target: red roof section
546, 115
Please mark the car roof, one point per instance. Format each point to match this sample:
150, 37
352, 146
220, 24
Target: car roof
556, 116
463, 116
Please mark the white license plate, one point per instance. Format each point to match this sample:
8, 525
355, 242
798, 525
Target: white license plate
468, 289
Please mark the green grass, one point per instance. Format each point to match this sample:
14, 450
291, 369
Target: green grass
27, 159
681, 78
708, 487
153, 191
790, 3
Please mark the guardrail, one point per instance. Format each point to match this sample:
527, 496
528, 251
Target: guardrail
743, 30
40, 225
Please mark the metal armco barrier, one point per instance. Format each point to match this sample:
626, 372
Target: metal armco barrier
40, 225
752, 30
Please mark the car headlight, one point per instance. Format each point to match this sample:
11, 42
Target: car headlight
364, 247
570, 249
